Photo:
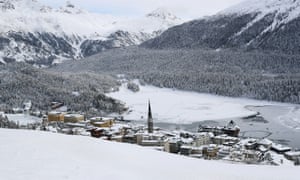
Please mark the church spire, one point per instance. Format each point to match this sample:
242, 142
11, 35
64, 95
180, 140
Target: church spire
150, 119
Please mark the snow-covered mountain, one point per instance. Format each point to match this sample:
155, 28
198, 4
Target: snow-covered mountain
282, 11
39, 34
270, 25
289, 7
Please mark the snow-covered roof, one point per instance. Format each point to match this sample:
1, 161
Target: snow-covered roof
280, 147
101, 118
293, 153
74, 115
76, 125
265, 141
187, 140
186, 147
262, 148
54, 113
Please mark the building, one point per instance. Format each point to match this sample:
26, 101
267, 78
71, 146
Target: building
266, 143
225, 140
173, 145
292, 155
73, 118
224, 152
97, 132
280, 148
236, 155
186, 150
56, 105
150, 119
252, 157
55, 116
129, 138
197, 151
117, 138
231, 129
202, 139
251, 144
210, 152
102, 122
27, 105
145, 139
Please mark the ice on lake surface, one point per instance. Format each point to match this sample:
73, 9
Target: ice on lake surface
174, 108
183, 107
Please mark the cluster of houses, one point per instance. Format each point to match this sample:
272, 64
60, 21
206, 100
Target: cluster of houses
212, 143
217, 143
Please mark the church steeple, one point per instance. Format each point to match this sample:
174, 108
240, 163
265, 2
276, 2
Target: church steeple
150, 119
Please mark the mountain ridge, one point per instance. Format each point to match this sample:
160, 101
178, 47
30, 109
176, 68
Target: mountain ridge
268, 25
31, 31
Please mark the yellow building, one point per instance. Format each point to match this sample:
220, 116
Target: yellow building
102, 122
55, 116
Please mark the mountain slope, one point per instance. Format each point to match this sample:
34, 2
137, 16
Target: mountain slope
269, 25
267, 76
20, 82
35, 33
42, 155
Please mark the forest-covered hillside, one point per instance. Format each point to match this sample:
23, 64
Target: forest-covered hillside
266, 76
83, 92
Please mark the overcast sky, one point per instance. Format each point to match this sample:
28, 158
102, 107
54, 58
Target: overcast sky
187, 9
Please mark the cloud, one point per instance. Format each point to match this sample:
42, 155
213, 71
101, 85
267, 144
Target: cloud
183, 8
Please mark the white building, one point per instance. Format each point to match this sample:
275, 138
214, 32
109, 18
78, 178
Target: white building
202, 139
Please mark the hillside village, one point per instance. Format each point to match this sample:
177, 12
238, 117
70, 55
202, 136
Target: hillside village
106, 90
210, 143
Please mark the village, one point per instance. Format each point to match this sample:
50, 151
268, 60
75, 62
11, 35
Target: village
211, 143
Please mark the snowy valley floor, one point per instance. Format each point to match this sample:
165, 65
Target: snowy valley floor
35, 155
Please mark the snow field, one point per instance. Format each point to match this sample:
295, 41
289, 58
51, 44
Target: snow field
39, 155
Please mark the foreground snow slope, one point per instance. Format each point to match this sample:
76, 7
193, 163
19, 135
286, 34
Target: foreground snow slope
40, 155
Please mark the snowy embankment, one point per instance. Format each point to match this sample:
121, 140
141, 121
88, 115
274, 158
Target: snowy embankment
183, 107
39, 155
23, 119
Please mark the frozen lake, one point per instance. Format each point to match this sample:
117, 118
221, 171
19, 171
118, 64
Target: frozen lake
173, 109
283, 124
182, 107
